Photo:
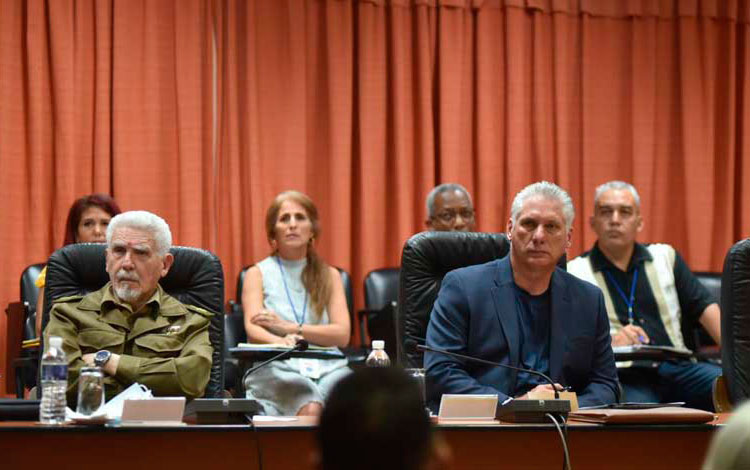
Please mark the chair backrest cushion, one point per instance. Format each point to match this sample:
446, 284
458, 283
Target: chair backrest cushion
693, 333
381, 288
425, 260
30, 295
735, 321
195, 278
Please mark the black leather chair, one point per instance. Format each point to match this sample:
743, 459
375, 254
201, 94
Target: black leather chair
425, 260
196, 278
735, 322
695, 336
378, 318
234, 334
30, 296
22, 326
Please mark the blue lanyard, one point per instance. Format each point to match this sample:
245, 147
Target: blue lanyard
289, 297
630, 302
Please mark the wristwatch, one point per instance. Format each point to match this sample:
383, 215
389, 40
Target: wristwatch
102, 357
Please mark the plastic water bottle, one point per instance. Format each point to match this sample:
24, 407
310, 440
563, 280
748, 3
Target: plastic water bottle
54, 383
378, 357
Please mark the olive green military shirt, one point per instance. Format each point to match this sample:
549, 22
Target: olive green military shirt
163, 346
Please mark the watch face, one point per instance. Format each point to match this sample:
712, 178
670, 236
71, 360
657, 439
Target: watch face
101, 357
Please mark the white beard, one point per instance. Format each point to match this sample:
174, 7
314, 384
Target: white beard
126, 294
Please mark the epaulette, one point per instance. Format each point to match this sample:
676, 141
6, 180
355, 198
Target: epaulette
199, 310
69, 298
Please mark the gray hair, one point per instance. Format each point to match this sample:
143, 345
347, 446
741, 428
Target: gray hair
548, 191
146, 221
617, 185
444, 188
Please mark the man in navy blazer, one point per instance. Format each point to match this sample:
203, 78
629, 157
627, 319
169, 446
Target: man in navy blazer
524, 311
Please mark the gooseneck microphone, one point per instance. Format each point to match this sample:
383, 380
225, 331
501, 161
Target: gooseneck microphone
301, 345
515, 410
413, 346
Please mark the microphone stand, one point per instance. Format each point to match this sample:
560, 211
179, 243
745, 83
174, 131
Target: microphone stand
517, 411
301, 345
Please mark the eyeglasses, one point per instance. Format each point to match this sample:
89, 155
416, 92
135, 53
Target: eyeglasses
448, 216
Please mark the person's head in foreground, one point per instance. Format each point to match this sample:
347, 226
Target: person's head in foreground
730, 448
375, 419
138, 255
449, 208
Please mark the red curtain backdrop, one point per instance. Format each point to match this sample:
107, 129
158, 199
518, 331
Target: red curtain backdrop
203, 110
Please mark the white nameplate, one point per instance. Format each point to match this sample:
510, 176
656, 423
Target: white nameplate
468, 407
153, 411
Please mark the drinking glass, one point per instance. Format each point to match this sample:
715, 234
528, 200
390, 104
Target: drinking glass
418, 375
90, 390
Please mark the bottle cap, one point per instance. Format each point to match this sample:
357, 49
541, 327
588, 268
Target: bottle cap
55, 341
378, 344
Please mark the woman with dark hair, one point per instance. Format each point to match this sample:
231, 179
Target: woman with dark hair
87, 222
292, 295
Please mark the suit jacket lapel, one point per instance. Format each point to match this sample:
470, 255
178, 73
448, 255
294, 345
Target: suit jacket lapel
504, 299
559, 312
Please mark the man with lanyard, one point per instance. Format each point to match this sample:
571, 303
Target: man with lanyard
648, 290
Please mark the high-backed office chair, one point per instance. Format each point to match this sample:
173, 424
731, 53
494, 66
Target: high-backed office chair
425, 260
195, 278
695, 336
22, 326
30, 296
735, 322
378, 318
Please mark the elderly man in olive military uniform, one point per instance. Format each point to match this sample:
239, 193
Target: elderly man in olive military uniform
131, 328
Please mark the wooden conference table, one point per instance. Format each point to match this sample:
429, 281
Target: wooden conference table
289, 445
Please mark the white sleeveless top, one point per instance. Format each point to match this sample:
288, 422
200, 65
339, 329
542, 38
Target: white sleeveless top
275, 298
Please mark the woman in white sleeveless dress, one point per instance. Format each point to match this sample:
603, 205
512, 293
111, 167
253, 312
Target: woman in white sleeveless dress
290, 295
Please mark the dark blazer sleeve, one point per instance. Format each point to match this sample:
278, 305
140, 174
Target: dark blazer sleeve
602, 387
449, 329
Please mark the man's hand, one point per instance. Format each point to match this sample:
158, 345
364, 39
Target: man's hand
630, 334
539, 388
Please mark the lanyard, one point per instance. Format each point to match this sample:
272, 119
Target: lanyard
631, 301
289, 297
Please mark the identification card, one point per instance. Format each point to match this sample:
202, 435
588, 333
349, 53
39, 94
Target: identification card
309, 368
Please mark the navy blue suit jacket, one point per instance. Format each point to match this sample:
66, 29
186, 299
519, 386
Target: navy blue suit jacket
475, 314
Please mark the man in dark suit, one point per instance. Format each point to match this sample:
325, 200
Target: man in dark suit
524, 311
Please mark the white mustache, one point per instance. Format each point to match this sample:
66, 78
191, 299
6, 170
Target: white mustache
123, 275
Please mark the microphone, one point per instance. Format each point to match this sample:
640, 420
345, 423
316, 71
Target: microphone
412, 346
301, 345
517, 411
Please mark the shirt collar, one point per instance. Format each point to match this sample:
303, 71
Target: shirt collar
109, 301
600, 262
